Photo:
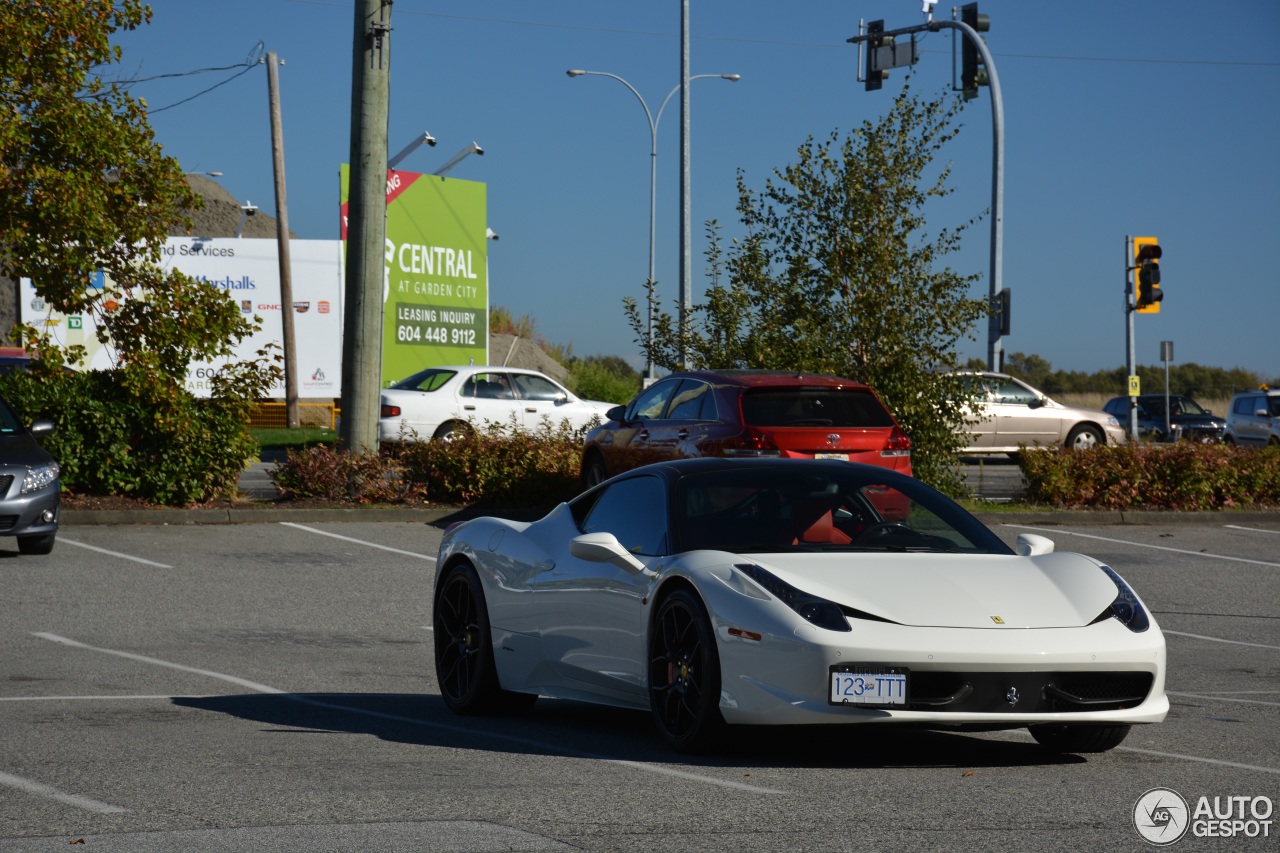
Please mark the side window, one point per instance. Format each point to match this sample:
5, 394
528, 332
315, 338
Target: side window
635, 511
1245, 406
650, 404
694, 401
536, 387
1013, 392
492, 386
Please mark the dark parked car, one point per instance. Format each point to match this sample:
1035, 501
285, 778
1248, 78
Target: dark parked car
30, 494
747, 413
1187, 418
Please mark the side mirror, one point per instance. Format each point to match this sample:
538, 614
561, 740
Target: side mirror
616, 413
1262, 413
605, 548
1032, 545
1037, 403
42, 427
561, 399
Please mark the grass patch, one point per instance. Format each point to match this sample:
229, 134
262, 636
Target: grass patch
300, 438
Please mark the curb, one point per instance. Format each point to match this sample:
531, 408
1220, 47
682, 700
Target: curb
1127, 517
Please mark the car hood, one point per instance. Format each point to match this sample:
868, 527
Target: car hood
1057, 590
22, 450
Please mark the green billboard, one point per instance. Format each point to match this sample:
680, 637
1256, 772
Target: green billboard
435, 294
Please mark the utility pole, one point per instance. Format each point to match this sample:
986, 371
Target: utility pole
282, 241
366, 227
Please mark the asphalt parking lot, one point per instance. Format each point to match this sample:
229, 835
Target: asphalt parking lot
269, 686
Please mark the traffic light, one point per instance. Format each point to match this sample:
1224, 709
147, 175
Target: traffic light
973, 72
1146, 261
875, 74
1003, 304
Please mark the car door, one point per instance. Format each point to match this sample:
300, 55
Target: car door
591, 614
629, 445
541, 399
1021, 417
486, 397
1249, 427
689, 418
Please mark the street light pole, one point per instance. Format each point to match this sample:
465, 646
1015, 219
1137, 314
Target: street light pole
654, 119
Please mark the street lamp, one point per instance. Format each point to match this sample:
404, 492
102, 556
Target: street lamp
653, 176
209, 174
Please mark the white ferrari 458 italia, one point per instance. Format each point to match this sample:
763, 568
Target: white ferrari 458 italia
716, 592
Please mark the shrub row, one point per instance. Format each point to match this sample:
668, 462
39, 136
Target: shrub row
1183, 476
491, 466
118, 433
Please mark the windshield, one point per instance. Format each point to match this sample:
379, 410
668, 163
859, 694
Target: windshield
1177, 406
799, 508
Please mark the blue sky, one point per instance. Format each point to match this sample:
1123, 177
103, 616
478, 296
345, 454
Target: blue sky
1135, 117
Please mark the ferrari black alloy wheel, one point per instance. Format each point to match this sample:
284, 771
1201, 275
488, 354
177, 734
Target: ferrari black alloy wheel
465, 670
684, 674
1079, 738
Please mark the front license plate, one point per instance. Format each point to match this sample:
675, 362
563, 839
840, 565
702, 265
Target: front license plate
868, 686
843, 457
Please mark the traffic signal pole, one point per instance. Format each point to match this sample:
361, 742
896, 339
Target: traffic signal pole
994, 319
1131, 362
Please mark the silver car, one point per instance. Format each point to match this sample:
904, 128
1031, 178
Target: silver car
1254, 418
30, 492
1010, 413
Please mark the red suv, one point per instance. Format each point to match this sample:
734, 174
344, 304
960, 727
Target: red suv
747, 413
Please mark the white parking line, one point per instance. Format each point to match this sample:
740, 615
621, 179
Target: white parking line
1022, 734
1217, 698
62, 540
1062, 532
261, 688
39, 790
1196, 758
1251, 529
1218, 639
413, 721
358, 541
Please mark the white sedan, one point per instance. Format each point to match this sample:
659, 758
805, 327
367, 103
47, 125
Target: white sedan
439, 402
715, 592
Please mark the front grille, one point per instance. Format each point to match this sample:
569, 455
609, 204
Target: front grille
6, 480
1035, 692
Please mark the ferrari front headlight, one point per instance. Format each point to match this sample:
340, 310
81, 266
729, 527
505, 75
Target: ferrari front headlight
40, 477
819, 611
1127, 609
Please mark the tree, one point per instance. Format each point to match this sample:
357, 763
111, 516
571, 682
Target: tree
85, 189
834, 275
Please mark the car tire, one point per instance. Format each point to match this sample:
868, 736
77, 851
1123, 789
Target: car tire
1079, 738
42, 544
465, 669
1085, 437
593, 471
684, 674
451, 431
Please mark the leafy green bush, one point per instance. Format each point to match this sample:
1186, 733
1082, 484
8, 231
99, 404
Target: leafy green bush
118, 433
1183, 476
606, 378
